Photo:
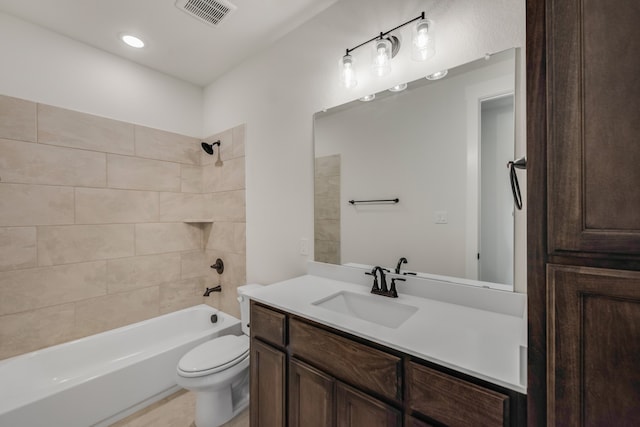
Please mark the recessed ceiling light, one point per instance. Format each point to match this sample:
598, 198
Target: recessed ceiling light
437, 75
132, 41
398, 88
368, 98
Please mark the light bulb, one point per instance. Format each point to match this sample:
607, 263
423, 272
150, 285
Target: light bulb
423, 40
348, 72
437, 75
398, 88
381, 64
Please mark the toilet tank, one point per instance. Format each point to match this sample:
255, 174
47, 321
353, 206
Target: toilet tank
244, 301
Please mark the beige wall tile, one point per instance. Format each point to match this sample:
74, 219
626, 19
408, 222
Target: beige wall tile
326, 208
238, 133
17, 119
196, 264
327, 165
232, 175
77, 243
33, 330
167, 237
68, 128
157, 144
234, 275
327, 229
211, 178
22, 204
181, 206
23, 290
225, 206
227, 236
142, 174
112, 311
17, 248
191, 179
327, 186
126, 274
29, 163
327, 251
181, 294
107, 206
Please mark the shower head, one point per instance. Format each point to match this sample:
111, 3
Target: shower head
208, 148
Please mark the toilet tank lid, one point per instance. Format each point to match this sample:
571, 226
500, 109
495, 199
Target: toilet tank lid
242, 290
217, 352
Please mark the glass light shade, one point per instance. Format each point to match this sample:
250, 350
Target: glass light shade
423, 40
398, 88
368, 98
437, 75
381, 63
348, 72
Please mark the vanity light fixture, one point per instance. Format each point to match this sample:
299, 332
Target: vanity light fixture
132, 41
368, 98
398, 88
386, 46
437, 75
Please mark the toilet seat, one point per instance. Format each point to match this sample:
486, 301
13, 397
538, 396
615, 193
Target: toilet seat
214, 356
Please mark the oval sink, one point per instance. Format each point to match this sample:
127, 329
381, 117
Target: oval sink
372, 308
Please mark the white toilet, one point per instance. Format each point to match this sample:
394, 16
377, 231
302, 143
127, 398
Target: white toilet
217, 371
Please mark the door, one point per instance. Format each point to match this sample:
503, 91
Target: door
267, 386
356, 409
594, 320
311, 396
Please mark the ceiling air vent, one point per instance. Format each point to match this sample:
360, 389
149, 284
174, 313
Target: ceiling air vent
211, 12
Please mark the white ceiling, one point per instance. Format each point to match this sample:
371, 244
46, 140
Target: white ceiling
176, 43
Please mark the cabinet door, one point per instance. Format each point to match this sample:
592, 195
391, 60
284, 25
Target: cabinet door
311, 396
267, 386
594, 347
593, 126
356, 409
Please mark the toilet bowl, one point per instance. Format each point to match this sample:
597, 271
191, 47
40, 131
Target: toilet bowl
217, 371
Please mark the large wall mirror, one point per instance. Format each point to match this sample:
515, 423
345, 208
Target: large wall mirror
440, 148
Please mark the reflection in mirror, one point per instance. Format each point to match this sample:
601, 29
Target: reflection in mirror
441, 148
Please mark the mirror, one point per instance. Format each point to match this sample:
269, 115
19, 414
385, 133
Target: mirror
440, 148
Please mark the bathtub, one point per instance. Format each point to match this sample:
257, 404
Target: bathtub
102, 378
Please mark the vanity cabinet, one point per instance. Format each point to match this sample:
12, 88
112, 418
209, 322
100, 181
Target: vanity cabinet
338, 380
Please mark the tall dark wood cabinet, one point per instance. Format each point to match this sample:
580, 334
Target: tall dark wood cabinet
583, 210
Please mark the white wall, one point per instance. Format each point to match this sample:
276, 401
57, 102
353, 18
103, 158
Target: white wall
42, 66
277, 92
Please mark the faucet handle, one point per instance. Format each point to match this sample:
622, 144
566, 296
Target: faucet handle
375, 280
393, 292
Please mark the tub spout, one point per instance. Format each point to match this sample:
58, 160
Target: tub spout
214, 289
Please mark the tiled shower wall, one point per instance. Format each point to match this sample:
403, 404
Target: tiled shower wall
92, 223
327, 209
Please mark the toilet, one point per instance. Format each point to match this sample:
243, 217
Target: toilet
217, 371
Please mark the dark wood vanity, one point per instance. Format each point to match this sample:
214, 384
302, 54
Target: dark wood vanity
304, 374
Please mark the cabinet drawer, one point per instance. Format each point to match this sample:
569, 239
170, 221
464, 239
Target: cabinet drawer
268, 325
453, 401
349, 361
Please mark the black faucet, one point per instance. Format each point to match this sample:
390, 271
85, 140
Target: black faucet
401, 261
382, 288
214, 289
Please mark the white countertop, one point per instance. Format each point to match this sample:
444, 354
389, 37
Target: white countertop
485, 344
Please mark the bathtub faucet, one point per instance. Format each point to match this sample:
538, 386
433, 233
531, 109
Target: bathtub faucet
214, 289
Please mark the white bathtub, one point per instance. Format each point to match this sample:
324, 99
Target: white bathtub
102, 378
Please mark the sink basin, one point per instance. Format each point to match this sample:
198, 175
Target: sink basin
372, 308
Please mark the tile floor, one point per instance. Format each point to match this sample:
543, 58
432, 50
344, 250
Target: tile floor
177, 410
